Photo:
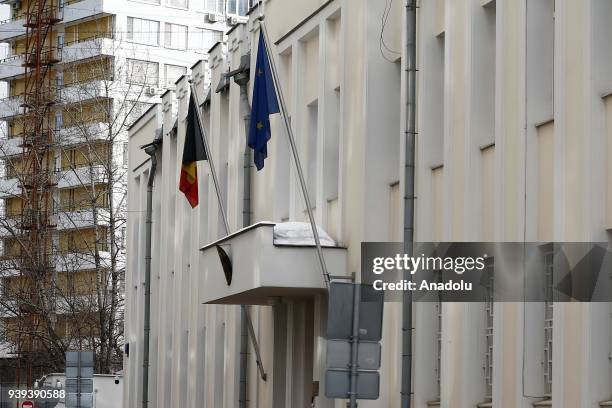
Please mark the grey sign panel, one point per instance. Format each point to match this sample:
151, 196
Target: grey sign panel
337, 384
79, 358
72, 385
340, 312
339, 355
72, 372
72, 400
72, 358
370, 313
79, 372
87, 358
82, 385
86, 372
86, 385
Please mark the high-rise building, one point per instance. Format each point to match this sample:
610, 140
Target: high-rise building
78, 73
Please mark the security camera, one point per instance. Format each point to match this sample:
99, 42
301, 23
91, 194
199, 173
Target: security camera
116, 379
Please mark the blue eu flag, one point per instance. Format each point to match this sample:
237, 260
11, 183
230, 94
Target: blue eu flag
264, 104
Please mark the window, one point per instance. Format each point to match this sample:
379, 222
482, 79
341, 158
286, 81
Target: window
173, 72
143, 31
150, 1
175, 36
125, 154
177, 3
201, 39
58, 120
142, 72
210, 6
239, 7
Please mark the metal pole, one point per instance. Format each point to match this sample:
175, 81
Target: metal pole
246, 221
409, 197
249, 322
209, 156
354, 347
152, 152
224, 216
296, 157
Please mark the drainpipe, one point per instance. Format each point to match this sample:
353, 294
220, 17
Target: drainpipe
151, 150
241, 78
246, 221
409, 177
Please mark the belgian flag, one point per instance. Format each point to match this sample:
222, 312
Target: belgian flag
193, 151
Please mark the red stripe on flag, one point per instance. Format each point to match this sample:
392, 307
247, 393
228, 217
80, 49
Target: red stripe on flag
189, 189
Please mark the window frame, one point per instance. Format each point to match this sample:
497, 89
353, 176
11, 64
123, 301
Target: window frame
130, 68
169, 35
130, 31
185, 7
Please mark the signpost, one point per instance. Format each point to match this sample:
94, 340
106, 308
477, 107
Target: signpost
79, 379
353, 348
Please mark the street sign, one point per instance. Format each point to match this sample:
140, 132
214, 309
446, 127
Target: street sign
340, 311
27, 404
79, 379
337, 384
346, 299
339, 355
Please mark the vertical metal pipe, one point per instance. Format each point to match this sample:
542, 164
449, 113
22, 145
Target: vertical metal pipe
246, 221
151, 151
246, 191
354, 347
409, 197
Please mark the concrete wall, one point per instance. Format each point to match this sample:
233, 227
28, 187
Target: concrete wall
513, 125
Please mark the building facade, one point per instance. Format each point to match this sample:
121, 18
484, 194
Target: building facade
513, 145
78, 74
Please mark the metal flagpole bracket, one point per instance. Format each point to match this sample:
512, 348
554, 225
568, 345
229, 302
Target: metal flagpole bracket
296, 157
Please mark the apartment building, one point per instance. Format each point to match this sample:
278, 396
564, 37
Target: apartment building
513, 145
78, 73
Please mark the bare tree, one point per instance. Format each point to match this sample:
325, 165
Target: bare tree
79, 303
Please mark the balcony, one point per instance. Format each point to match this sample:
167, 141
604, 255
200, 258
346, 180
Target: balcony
89, 48
11, 147
83, 134
263, 267
9, 226
11, 67
84, 91
9, 187
77, 10
76, 261
81, 219
81, 176
11, 106
12, 28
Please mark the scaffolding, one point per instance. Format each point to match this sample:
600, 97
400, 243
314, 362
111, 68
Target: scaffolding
38, 177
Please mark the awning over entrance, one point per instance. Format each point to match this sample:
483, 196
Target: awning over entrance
247, 267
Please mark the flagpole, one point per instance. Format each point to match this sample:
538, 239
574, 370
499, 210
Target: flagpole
209, 157
211, 164
296, 157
